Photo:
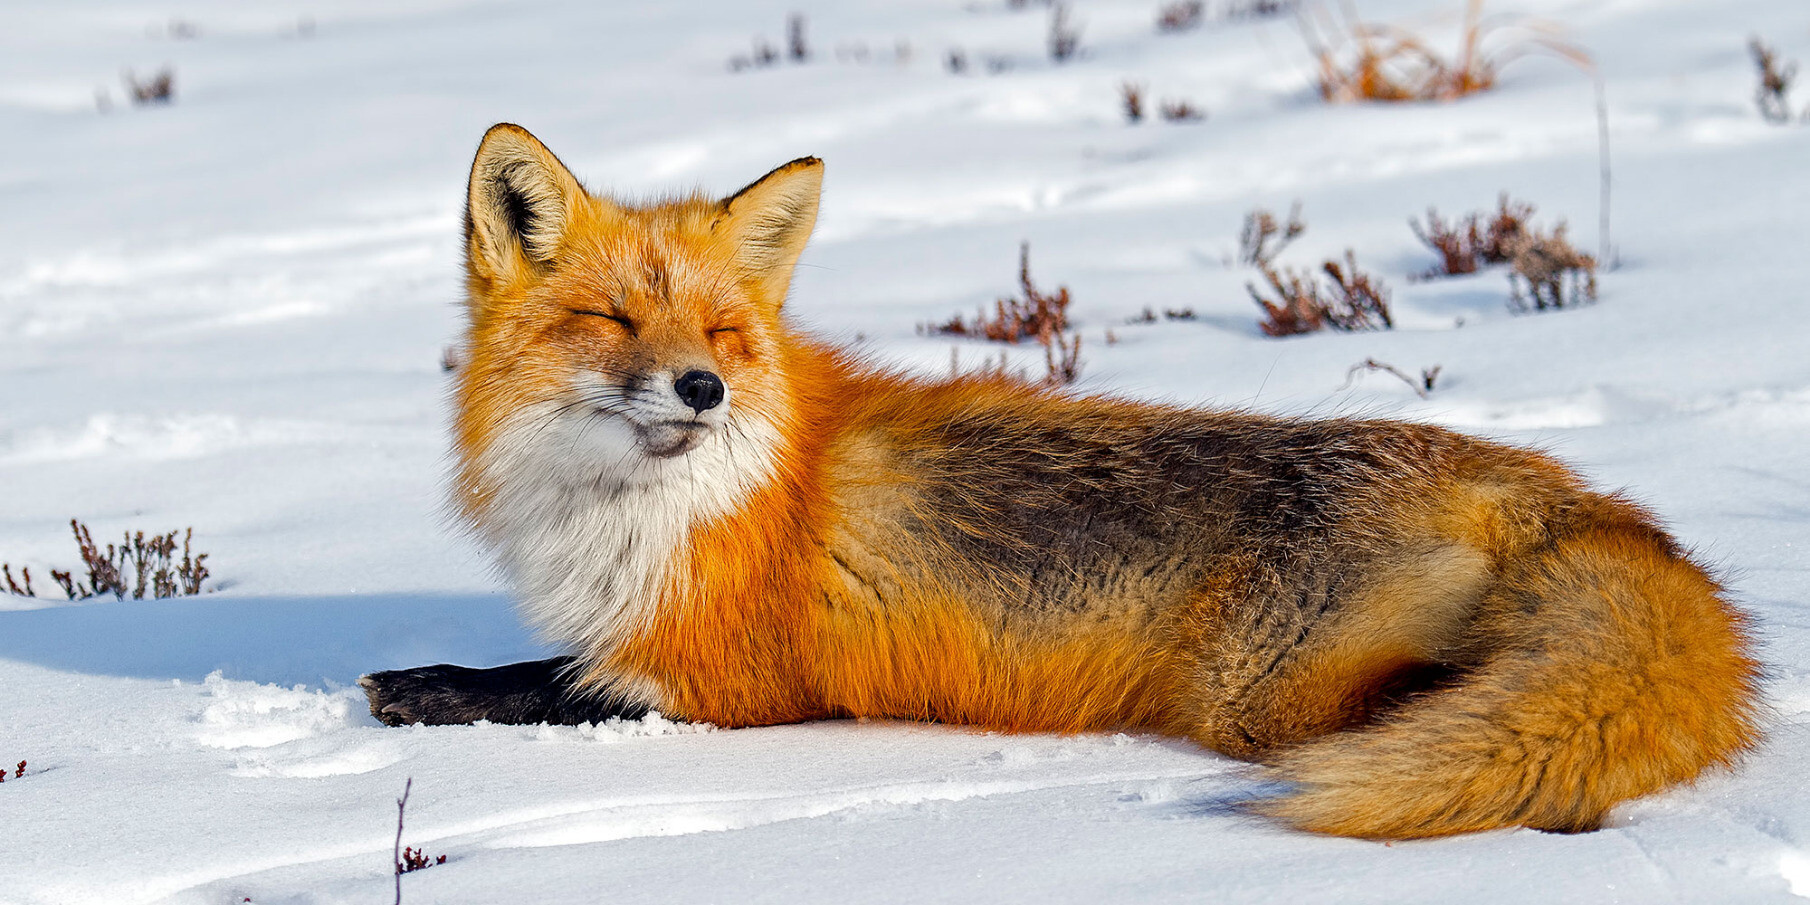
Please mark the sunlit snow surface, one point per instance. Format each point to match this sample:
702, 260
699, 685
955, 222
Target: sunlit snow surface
230, 312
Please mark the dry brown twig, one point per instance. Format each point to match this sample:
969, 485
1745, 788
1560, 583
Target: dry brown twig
1772, 95
1263, 237
1422, 387
1131, 101
796, 46
1065, 34
1061, 357
1180, 16
13, 587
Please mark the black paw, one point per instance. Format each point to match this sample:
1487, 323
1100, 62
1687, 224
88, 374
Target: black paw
539, 691
400, 697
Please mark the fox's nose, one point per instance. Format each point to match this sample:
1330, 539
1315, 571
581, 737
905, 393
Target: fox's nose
701, 390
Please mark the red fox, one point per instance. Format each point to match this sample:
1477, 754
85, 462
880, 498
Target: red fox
1420, 633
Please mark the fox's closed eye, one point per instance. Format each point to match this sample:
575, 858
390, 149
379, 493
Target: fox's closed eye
625, 323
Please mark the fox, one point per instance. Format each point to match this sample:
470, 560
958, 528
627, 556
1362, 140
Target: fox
719, 517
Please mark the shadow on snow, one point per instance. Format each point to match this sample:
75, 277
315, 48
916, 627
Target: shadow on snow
282, 640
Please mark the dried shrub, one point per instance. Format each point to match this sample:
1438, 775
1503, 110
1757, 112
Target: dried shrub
1467, 243
160, 88
1264, 237
1181, 111
796, 46
1366, 62
1772, 95
763, 56
1131, 100
1183, 15
1556, 274
1015, 319
414, 859
1064, 35
858, 53
1348, 299
140, 565
956, 61
1245, 10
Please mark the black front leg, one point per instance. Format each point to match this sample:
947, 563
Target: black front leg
539, 691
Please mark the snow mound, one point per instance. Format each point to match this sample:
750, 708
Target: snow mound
250, 715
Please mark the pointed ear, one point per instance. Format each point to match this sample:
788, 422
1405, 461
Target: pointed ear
770, 221
518, 204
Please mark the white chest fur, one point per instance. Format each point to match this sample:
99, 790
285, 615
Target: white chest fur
589, 528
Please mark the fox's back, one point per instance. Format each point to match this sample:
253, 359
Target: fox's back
1046, 505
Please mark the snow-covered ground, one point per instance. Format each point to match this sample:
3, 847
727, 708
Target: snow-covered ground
229, 313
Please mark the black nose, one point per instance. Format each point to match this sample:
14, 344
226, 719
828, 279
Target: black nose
701, 390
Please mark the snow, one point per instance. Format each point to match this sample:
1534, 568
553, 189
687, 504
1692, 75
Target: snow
230, 312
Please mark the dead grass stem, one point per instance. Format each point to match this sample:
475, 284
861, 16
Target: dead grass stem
1773, 93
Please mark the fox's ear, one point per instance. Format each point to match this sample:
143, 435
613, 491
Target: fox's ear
770, 221
518, 204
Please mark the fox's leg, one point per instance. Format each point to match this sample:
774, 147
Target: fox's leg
538, 691
1287, 672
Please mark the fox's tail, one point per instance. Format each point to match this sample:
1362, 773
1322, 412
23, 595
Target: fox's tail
1617, 669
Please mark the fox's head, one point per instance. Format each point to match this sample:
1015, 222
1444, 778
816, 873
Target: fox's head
629, 341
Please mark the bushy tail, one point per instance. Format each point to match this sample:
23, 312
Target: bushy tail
1616, 670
